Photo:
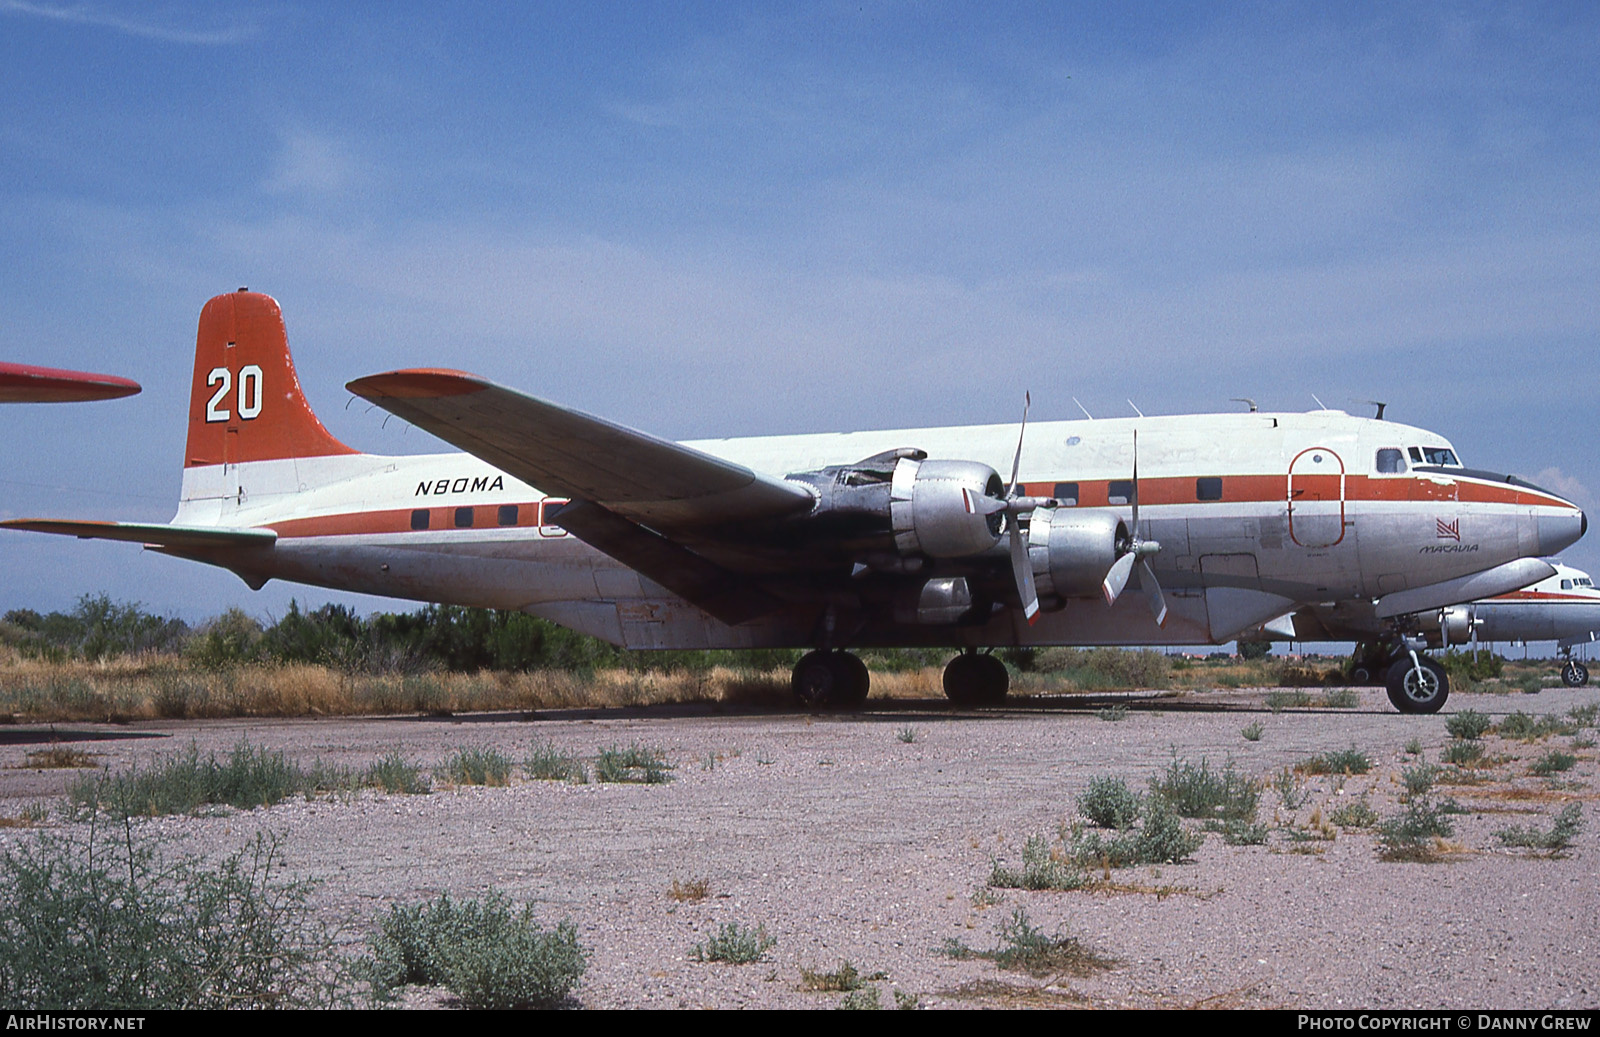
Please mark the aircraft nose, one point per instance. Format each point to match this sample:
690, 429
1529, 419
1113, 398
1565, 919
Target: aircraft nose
1559, 530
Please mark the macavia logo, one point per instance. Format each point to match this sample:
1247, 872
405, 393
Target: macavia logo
1439, 549
1448, 530
461, 484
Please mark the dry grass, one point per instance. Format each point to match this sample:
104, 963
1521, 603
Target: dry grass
58, 757
691, 892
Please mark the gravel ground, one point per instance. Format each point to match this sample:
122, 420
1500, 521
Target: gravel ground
848, 842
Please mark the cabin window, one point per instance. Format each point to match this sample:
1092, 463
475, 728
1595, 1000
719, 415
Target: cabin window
419, 518
507, 515
1067, 494
1391, 461
463, 518
1120, 491
1208, 488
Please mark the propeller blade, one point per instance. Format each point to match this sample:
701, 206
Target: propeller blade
1152, 591
1117, 577
1016, 462
1022, 568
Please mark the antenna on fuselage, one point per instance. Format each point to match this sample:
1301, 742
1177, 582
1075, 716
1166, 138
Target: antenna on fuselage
1136, 410
1375, 403
1084, 409
1324, 406
1247, 401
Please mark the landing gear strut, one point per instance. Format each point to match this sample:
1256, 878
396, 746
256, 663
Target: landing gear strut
832, 680
971, 679
1417, 684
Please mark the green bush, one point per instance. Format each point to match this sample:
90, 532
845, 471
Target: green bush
1559, 837
1409, 836
1463, 754
1553, 762
477, 765
548, 763
735, 945
1109, 803
1467, 667
1468, 724
1041, 869
106, 924
392, 772
1162, 839
1252, 731
1419, 780
1024, 947
1339, 761
483, 951
1200, 792
251, 776
636, 764
1357, 813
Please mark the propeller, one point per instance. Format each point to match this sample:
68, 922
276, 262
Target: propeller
1136, 551
1015, 506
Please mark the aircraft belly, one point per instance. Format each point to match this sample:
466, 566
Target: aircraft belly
487, 574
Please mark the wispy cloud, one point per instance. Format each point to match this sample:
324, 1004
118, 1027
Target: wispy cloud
312, 163
144, 25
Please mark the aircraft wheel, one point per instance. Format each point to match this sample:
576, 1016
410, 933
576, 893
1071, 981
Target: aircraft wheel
1574, 674
1417, 691
971, 679
830, 679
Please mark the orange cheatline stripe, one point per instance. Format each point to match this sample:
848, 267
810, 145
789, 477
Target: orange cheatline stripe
398, 520
1267, 488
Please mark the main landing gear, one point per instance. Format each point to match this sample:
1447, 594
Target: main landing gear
831, 680
839, 680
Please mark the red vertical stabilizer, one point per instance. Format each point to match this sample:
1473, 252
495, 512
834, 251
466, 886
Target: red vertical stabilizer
245, 403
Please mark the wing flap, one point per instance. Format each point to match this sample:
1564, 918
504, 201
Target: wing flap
157, 534
565, 452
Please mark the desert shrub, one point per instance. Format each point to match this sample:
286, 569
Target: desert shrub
1553, 762
845, 978
1468, 667
109, 924
392, 772
1161, 839
637, 763
1357, 813
1278, 701
1409, 836
1463, 754
1042, 868
1198, 791
1559, 837
1419, 780
1109, 803
734, 944
1468, 724
231, 639
1024, 947
477, 765
250, 776
1339, 761
1252, 731
1585, 716
486, 952
548, 763
1340, 698
1521, 726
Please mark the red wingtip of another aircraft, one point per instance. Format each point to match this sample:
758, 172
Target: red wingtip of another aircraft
419, 383
25, 383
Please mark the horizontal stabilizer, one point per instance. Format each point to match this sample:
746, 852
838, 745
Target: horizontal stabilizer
160, 535
567, 453
25, 383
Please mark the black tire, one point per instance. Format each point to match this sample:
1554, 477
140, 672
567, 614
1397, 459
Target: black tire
1574, 674
1414, 691
830, 680
971, 679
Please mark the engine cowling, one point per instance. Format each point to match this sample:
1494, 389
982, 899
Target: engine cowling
1071, 551
934, 508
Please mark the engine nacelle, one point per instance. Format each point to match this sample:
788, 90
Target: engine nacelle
935, 508
1071, 551
943, 601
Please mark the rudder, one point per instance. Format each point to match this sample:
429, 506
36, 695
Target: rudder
245, 402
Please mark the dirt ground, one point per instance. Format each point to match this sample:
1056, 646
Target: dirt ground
870, 838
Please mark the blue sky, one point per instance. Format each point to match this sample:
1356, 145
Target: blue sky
722, 220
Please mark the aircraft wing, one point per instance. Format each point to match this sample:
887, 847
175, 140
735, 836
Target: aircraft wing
25, 383
159, 535
567, 453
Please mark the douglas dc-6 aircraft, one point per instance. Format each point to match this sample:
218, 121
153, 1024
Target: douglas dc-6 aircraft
1564, 608
839, 541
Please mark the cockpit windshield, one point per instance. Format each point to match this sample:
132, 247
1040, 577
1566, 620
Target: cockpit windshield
1434, 455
